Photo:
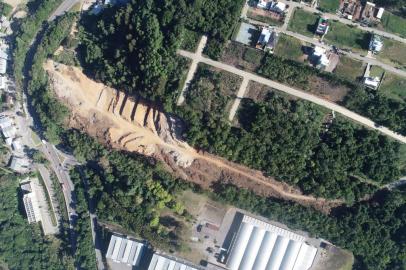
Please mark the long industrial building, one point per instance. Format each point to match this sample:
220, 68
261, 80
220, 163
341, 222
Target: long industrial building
125, 251
261, 246
160, 262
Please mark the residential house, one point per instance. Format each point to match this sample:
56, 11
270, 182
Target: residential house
322, 26
372, 82
278, 7
320, 57
267, 39
376, 44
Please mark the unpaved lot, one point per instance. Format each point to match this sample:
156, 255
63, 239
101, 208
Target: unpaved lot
131, 125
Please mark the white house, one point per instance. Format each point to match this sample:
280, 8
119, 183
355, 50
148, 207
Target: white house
376, 44
321, 58
3, 66
267, 39
380, 13
372, 82
262, 4
277, 7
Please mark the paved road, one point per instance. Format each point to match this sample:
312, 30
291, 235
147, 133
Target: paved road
192, 69
294, 92
63, 7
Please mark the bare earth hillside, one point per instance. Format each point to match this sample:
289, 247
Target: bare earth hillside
127, 124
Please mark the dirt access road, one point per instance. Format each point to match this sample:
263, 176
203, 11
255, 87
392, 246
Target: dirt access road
127, 124
294, 92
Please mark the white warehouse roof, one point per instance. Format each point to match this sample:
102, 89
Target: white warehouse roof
260, 245
159, 262
123, 250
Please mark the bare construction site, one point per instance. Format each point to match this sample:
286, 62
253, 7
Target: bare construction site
129, 124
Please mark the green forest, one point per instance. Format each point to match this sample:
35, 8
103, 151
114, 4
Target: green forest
285, 138
288, 139
128, 190
133, 47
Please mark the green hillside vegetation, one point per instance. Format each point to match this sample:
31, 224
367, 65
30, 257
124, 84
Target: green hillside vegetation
128, 190
23, 246
285, 139
133, 47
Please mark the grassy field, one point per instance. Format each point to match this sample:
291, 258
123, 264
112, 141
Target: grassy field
394, 51
394, 87
329, 5
266, 19
393, 23
346, 36
376, 71
289, 47
349, 68
303, 22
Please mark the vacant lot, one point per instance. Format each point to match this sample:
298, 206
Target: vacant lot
346, 36
329, 5
303, 22
394, 52
376, 71
394, 87
328, 90
212, 90
242, 56
264, 16
393, 23
289, 47
349, 68
190, 40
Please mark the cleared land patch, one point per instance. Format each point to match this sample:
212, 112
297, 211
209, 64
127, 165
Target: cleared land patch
395, 52
393, 23
289, 47
303, 22
241, 56
347, 36
349, 68
329, 5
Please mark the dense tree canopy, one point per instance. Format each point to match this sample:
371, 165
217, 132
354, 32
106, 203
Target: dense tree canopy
133, 47
287, 139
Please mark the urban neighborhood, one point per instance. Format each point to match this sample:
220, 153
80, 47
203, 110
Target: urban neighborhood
203, 135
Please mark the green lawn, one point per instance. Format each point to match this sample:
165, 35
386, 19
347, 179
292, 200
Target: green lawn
394, 86
329, 5
394, 51
303, 22
346, 36
289, 47
376, 71
393, 23
266, 19
349, 68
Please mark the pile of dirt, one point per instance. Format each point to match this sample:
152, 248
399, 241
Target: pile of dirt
127, 124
